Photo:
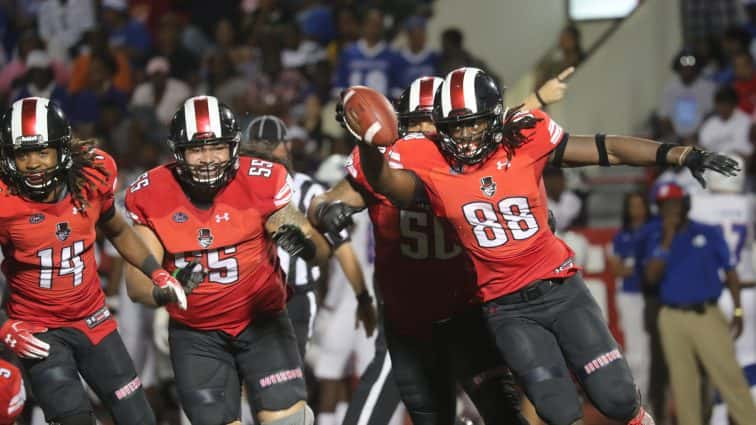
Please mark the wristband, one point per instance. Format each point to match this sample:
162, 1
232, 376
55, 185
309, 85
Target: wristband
661, 154
540, 99
364, 298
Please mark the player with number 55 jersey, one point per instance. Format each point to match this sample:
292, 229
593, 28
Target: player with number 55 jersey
227, 211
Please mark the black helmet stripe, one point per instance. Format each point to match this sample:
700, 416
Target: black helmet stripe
29, 119
202, 116
459, 91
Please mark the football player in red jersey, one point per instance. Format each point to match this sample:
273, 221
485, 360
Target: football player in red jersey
425, 279
227, 211
483, 173
54, 191
12, 393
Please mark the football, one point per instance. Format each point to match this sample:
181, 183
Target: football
370, 116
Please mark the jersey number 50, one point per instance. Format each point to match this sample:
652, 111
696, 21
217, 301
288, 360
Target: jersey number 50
488, 228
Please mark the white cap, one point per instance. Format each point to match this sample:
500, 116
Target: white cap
158, 64
37, 59
719, 183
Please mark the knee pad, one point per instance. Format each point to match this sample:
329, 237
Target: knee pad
80, 419
556, 401
618, 401
300, 417
206, 407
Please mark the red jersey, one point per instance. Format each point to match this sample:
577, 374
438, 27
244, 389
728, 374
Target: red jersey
229, 238
12, 393
498, 208
421, 271
50, 259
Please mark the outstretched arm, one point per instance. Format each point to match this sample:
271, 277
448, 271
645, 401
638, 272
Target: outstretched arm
625, 150
550, 92
403, 187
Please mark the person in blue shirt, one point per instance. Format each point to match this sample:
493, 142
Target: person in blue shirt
685, 261
369, 61
416, 59
630, 302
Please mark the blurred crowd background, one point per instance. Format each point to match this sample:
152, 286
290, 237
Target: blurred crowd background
120, 69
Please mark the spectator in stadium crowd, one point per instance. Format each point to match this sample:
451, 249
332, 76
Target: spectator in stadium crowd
455, 55
565, 204
635, 214
40, 80
728, 129
86, 103
12, 73
745, 82
184, 64
416, 59
126, 31
704, 18
684, 260
161, 91
733, 42
62, 24
570, 53
686, 99
96, 42
369, 61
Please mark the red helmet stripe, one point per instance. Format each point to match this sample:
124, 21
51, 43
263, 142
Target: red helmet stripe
457, 89
202, 115
426, 93
29, 117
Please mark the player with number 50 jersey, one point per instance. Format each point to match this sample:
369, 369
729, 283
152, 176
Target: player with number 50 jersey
227, 211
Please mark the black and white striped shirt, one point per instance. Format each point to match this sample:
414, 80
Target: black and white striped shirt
298, 273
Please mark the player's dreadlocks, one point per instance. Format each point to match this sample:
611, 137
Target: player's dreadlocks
84, 175
512, 127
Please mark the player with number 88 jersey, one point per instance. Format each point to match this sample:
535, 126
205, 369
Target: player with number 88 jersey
227, 211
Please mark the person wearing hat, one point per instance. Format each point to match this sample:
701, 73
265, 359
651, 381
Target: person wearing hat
686, 98
40, 80
266, 136
162, 92
685, 258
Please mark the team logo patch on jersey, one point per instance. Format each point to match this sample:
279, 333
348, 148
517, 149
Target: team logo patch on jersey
62, 231
36, 218
205, 237
488, 186
180, 217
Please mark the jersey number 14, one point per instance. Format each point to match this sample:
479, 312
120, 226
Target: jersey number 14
70, 264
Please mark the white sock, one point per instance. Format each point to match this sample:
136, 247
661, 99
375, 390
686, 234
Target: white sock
340, 411
327, 418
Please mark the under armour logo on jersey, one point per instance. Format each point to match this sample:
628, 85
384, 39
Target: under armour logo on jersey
488, 186
205, 237
62, 231
10, 341
500, 165
222, 217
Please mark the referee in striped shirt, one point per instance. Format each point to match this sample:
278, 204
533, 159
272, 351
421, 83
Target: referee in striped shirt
265, 137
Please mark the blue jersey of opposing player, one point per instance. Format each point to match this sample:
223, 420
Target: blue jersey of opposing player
374, 67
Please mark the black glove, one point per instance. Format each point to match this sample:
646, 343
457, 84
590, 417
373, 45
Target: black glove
334, 219
552, 222
699, 160
292, 240
190, 275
